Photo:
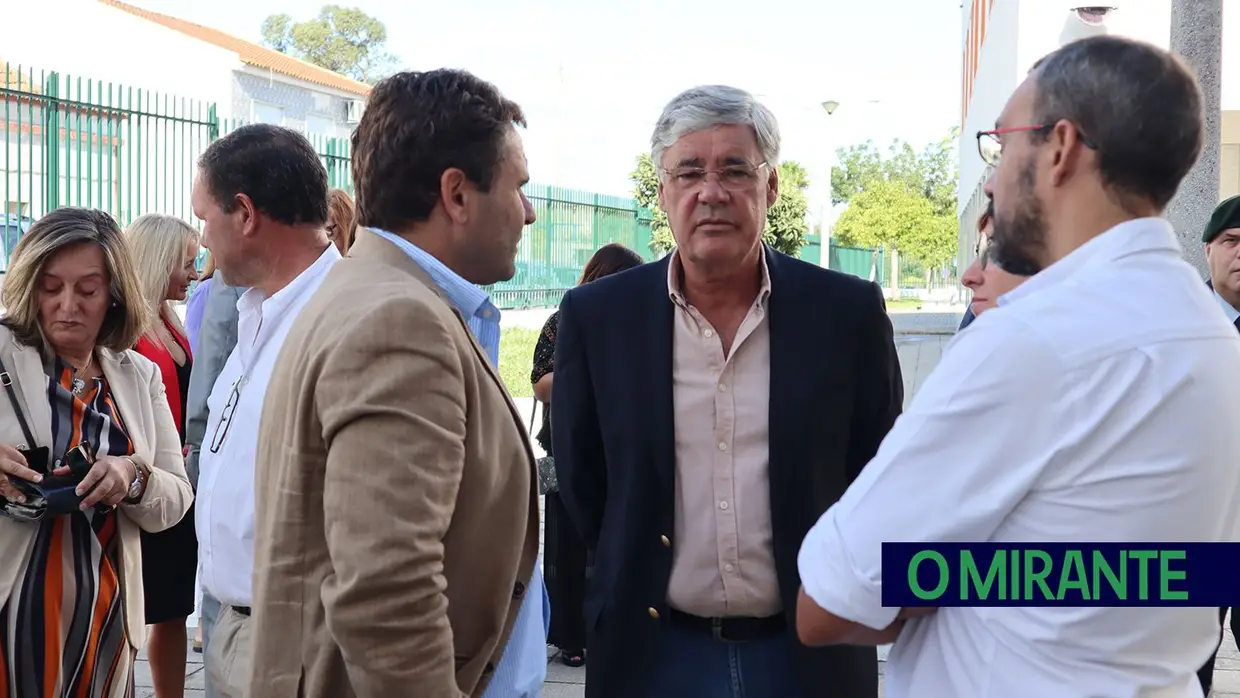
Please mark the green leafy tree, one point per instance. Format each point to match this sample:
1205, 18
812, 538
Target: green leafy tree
903, 200
345, 40
786, 227
645, 179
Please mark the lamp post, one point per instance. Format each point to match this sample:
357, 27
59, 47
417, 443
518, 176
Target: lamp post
830, 106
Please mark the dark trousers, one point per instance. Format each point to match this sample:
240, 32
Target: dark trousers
565, 567
693, 663
1206, 673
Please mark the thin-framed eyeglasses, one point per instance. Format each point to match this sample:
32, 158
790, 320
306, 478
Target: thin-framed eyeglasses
226, 415
731, 177
982, 251
990, 145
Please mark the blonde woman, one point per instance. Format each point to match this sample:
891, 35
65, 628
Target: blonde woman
71, 587
164, 251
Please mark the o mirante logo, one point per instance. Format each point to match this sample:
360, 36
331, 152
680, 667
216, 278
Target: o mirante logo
1067, 574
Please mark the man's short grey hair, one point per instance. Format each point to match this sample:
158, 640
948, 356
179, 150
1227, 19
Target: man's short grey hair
1137, 104
714, 105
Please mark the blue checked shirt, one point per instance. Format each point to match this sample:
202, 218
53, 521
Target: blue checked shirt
523, 666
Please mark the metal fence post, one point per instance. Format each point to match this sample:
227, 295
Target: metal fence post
51, 141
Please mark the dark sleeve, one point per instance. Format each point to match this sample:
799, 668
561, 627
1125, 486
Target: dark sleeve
544, 350
576, 441
968, 318
881, 395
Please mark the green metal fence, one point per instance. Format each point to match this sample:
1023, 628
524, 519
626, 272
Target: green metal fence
570, 225
858, 261
129, 151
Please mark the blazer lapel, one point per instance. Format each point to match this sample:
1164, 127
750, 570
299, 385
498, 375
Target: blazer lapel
25, 367
122, 382
654, 318
788, 360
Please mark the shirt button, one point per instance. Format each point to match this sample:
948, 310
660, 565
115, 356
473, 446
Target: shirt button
708, 334
723, 505
728, 567
723, 446
723, 388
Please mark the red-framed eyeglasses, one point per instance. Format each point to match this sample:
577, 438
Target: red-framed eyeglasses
990, 147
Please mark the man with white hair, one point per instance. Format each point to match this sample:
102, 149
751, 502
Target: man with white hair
709, 407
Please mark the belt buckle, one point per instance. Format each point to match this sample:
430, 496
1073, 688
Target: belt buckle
716, 631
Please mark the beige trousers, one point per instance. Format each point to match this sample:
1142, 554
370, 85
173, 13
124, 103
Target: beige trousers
228, 654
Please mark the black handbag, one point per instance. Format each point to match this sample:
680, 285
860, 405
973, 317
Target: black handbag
547, 480
56, 494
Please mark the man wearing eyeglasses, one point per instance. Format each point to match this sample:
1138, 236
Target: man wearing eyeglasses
1100, 400
714, 404
261, 193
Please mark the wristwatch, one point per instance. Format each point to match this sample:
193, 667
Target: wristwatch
138, 486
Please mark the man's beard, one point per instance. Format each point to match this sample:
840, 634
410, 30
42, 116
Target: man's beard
1019, 239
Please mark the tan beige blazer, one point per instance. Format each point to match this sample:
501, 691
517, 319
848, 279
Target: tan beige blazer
138, 390
397, 502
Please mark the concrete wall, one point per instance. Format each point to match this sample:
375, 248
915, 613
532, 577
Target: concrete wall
301, 105
87, 39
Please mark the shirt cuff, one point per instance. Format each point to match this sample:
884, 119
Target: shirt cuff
832, 581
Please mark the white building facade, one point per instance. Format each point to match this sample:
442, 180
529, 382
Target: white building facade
120, 105
1004, 38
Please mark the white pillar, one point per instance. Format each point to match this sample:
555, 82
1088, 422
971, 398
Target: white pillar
1197, 35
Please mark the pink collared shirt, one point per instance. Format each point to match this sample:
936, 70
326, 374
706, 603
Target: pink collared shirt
722, 559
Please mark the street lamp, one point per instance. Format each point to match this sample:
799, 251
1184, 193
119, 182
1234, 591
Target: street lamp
830, 105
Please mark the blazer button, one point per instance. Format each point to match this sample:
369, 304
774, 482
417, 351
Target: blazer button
654, 613
517, 590
667, 543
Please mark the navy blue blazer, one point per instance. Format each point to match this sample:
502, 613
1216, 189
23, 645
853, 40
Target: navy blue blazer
836, 390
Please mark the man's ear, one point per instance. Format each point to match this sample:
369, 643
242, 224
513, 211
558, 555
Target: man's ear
454, 193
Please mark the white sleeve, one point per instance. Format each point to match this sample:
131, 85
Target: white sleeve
973, 443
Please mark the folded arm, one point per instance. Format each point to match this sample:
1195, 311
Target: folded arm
393, 418
973, 444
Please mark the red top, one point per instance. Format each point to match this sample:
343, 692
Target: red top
157, 352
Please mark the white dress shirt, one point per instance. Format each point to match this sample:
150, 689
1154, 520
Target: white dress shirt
1099, 402
224, 511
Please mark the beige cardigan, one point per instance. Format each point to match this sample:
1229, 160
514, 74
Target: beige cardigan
138, 391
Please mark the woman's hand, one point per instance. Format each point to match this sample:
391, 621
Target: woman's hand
13, 464
107, 482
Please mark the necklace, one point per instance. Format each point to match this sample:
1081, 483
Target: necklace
79, 382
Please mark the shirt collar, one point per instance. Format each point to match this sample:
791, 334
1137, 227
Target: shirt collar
1129, 237
1232, 313
253, 299
468, 298
675, 273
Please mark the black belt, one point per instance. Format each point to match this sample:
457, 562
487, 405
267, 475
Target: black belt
243, 610
732, 629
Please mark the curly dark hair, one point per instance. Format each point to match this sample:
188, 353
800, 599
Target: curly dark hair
276, 167
417, 125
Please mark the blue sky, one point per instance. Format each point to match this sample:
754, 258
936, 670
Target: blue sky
593, 76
